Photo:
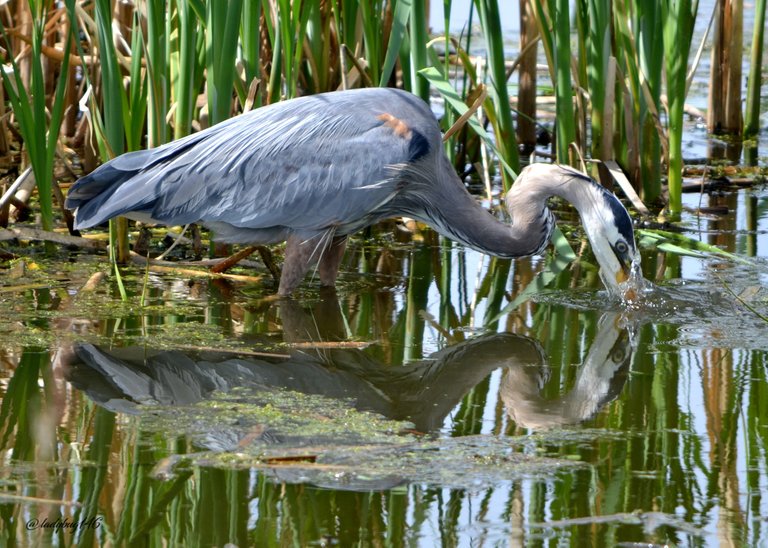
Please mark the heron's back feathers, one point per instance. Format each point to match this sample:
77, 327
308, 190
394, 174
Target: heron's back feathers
322, 161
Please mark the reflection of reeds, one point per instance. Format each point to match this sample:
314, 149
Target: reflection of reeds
139, 482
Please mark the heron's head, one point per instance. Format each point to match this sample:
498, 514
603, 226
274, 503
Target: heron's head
606, 221
609, 229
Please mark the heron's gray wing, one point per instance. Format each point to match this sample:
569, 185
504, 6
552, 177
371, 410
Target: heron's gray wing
307, 164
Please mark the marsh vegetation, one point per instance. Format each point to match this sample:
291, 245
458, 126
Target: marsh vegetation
439, 396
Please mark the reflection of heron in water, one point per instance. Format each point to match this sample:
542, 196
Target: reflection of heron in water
313, 170
423, 392
599, 380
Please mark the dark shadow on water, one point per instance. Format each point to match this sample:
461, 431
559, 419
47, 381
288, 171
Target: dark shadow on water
422, 392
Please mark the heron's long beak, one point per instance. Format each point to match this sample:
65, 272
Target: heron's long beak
625, 264
615, 266
622, 275
609, 228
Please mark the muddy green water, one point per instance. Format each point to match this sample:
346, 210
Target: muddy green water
410, 407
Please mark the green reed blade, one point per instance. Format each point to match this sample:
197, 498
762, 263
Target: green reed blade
418, 53
399, 22
352, 14
650, 53
184, 89
554, 25
108, 122
598, 54
301, 12
275, 75
627, 92
115, 115
221, 39
113, 94
317, 53
136, 111
546, 30
678, 20
448, 118
681, 244
506, 140
369, 12
566, 121
156, 97
39, 132
446, 31
285, 24
250, 39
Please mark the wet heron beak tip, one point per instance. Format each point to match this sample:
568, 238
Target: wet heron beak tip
622, 275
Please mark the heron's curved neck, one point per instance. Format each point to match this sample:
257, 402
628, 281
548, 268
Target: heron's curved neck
538, 182
457, 215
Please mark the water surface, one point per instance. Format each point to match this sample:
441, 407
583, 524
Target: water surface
411, 406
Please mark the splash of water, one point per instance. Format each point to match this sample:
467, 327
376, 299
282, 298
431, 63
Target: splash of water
633, 290
630, 292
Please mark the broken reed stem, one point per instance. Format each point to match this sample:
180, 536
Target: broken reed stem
232, 260
752, 113
526, 94
191, 272
36, 234
724, 111
466, 116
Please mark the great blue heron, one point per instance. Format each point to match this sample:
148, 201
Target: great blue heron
316, 169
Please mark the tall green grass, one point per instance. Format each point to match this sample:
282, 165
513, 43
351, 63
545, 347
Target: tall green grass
678, 18
503, 125
565, 126
222, 26
157, 56
597, 62
39, 127
184, 69
627, 70
650, 52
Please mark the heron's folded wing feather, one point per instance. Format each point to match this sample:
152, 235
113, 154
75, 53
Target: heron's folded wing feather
298, 164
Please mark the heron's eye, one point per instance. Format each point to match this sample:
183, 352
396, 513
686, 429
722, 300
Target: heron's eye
621, 246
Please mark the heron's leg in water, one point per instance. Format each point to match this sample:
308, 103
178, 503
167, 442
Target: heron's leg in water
299, 252
331, 260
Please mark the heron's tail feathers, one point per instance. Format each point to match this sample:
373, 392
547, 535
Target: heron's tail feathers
93, 196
